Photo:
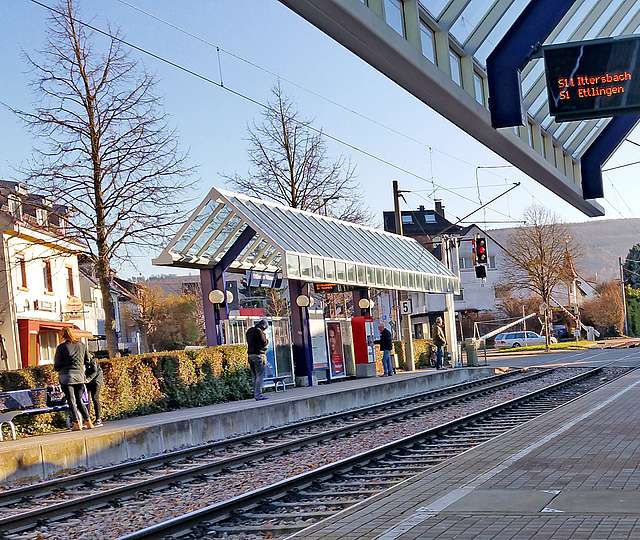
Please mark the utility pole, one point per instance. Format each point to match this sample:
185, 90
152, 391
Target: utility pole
624, 297
450, 329
405, 320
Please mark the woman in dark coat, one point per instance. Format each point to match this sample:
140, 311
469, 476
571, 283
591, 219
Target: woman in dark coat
69, 362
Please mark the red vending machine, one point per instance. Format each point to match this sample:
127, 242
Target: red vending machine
363, 346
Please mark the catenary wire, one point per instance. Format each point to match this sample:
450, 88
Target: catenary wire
254, 101
257, 66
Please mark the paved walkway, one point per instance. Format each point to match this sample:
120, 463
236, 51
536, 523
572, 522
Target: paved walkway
573, 473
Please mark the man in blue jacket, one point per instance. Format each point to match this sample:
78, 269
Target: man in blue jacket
386, 346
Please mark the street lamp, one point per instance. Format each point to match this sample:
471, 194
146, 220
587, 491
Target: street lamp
325, 200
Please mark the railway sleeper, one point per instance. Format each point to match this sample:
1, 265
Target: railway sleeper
288, 515
312, 504
257, 528
368, 482
377, 474
334, 493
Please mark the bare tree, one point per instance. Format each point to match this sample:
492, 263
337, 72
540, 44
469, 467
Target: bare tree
605, 311
290, 165
107, 152
540, 256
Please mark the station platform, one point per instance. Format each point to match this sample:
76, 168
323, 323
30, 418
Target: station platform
573, 473
48, 455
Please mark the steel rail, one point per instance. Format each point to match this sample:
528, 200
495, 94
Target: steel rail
193, 451
224, 509
31, 518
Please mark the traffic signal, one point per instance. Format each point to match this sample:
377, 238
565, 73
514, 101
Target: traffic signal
481, 271
481, 250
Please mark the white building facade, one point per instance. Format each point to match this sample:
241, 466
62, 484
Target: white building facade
40, 282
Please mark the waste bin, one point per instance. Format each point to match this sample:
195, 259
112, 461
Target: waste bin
471, 350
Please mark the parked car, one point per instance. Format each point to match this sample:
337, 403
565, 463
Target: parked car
560, 331
520, 339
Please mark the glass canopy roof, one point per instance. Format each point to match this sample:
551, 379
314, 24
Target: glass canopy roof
303, 245
476, 26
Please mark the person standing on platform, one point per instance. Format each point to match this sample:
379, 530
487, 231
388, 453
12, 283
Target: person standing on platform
257, 343
386, 346
439, 340
69, 362
94, 384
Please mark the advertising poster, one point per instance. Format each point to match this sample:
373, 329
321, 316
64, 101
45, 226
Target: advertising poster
336, 350
371, 347
270, 370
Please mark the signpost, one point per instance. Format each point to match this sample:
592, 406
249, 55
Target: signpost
593, 79
406, 307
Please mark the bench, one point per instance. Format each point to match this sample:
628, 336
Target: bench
279, 383
18, 402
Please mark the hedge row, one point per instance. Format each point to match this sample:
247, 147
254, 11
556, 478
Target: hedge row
148, 383
421, 353
157, 382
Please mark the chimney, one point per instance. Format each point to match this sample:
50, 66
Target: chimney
421, 208
439, 207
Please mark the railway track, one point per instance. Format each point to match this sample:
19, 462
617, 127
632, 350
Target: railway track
290, 506
26, 508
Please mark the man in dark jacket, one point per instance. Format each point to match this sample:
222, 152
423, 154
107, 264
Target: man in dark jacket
386, 346
439, 340
257, 343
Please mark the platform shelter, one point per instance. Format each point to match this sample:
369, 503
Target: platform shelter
232, 233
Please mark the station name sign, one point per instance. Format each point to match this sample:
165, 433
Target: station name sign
593, 79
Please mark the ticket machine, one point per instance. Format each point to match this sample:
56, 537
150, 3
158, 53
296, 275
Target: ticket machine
363, 346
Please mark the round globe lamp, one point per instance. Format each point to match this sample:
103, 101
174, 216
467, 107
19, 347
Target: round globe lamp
216, 296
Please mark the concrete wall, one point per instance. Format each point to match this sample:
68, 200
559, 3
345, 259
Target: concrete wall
43, 456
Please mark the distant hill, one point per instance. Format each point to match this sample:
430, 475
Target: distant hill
602, 240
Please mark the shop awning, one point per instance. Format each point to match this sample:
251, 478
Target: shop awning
251, 234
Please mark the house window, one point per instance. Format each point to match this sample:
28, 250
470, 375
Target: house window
407, 219
48, 344
492, 262
478, 85
456, 67
15, 206
22, 270
465, 263
427, 41
42, 217
394, 15
71, 290
460, 296
48, 280
63, 225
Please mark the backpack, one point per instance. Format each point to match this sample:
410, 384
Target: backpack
90, 367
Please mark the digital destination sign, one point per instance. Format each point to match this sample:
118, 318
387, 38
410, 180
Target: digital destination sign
593, 79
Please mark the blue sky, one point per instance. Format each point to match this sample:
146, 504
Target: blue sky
212, 123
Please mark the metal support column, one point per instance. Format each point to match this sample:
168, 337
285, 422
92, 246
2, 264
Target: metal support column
531, 28
300, 335
600, 151
358, 295
405, 320
212, 279
450, 329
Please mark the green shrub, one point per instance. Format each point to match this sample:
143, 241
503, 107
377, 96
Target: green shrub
148, 383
